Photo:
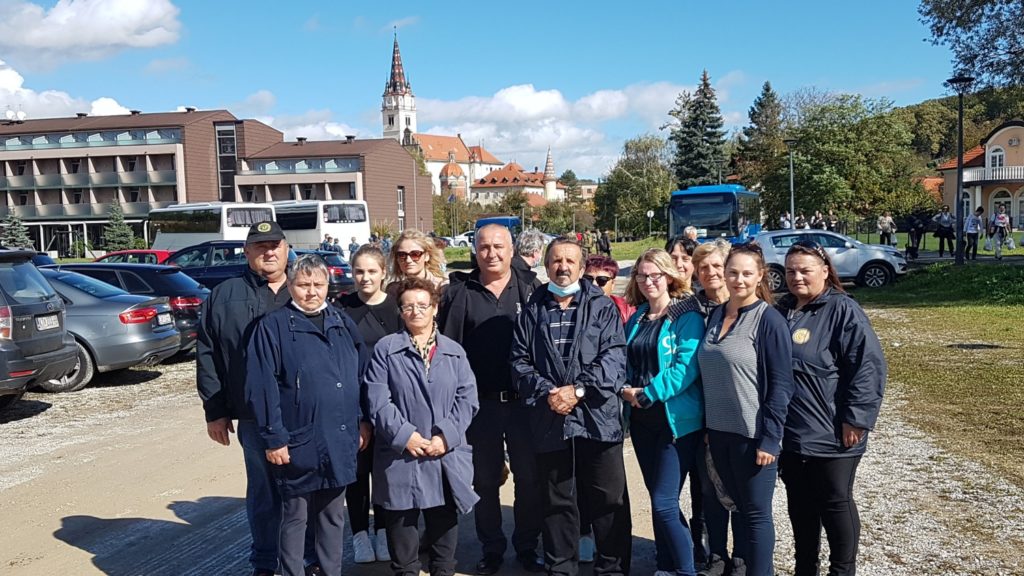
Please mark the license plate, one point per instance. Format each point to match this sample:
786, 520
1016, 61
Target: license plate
163, 319
47, 322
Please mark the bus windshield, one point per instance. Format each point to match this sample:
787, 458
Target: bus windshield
712, 214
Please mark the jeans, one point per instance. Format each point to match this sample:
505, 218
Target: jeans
664, 465
885, 238
972, 245
752, 487
716, 517
945, 237
262, 500
441, 537
322, 510
819, 492
594, 471
496, 426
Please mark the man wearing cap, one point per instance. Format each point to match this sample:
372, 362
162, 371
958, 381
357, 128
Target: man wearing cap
228, 319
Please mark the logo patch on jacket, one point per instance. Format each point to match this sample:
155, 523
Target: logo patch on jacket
801, 336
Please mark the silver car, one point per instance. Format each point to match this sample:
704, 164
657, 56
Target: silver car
112, 328
870, 265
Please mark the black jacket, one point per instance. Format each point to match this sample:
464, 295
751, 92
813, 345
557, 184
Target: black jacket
227, 320
598, 363
839, 371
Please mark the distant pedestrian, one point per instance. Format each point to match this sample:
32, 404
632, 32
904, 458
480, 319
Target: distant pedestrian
785, 223
801, 222
604, 244
353, 247
974, 225
833, 221
1000, 227
691, 232
945, 232
336, 246
886, 228
326, 244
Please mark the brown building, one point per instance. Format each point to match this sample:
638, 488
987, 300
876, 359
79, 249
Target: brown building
61, 176
993, 173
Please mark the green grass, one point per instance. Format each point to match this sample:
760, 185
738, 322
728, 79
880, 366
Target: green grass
953, 341
632, 250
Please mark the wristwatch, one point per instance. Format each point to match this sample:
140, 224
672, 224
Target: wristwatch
580, 391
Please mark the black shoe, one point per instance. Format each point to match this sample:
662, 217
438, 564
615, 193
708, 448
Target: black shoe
259, 572
314, 570
490, 564
531, 562
714, 567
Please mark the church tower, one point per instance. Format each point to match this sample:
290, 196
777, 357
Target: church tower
550, 181
398, 110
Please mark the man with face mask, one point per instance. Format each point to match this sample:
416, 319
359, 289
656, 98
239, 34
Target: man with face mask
568, 365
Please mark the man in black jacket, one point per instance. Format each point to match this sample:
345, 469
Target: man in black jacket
479, 312
228, 318
568, 366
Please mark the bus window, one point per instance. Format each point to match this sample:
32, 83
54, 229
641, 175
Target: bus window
344, 213
246, 217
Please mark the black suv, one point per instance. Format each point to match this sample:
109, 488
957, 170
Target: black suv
35, 346
211, 263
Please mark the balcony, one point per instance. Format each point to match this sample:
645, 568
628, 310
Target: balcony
79, 180
88, 144
154, 177
103, 179
48, 181
1001, 174
23, 182
83, 211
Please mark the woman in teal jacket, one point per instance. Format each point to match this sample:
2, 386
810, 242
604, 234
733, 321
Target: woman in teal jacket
663, 389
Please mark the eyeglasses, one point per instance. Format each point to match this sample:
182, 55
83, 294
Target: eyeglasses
410, 308
599, 280
808, 247
654, 278
414, 254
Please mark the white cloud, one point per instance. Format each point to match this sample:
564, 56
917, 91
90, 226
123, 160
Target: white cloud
34, 36
48, 103
315, 125
166, 65
258, 103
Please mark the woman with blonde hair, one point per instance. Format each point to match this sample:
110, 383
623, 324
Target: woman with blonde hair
663, 390
416, 256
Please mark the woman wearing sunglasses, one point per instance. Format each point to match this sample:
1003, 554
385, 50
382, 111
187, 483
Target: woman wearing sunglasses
663, 390
416, 256
746, 368
602, 270
840, 375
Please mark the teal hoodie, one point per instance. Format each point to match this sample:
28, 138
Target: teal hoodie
677, 384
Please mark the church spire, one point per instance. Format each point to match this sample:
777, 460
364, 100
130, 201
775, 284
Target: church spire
549, 168
397, 84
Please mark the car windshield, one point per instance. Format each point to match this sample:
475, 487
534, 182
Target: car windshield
88, 285
20, 282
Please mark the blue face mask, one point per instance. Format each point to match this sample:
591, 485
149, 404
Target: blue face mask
563, 292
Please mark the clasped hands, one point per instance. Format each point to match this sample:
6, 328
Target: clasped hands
420, 447
563, 399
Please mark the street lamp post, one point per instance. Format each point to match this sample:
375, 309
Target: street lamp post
790, 143
960, 83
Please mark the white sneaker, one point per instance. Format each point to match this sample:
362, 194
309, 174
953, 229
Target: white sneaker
587, 549
382, 547
362, 548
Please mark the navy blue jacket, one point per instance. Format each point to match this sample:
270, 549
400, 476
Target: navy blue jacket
598, 363
305, 390
840, 374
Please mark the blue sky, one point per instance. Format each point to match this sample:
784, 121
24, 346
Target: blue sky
580, 77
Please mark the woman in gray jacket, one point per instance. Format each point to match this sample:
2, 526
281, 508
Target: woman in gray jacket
422, 395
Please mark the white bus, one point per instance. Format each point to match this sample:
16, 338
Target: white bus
183, 225
306, 222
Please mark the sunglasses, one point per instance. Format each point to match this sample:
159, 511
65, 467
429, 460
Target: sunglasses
808, 247
414, 254
599, 280
748, 247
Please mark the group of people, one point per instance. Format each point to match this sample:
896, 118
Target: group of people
595, 242
334, 245
995, 230
409, 395
817, 221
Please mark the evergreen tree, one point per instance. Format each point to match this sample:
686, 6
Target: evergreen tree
117, 235
698, 136
572, 186
761, 143
13, 233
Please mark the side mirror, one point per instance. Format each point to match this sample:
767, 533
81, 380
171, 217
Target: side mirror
848, 244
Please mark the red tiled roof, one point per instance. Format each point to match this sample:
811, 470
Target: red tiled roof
512, 174
451, 169
483, 156
536, 200
973, 157
113, 122
436, 148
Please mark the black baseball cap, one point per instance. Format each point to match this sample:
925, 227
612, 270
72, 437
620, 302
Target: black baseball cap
266, 231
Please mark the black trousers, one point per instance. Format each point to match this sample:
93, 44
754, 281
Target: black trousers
946, 238
357, 496
972, 245
324, 510
819, 492
440, 537
496, 426
595, 472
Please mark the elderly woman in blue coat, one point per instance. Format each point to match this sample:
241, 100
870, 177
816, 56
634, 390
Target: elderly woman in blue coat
305, 366
422, 395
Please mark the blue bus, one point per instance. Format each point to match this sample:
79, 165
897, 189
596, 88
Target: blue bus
727, 211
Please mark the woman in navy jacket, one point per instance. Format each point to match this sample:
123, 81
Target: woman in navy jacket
422, 394
840, 374
305, 366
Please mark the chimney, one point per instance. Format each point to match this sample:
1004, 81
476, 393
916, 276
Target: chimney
349, 138
81, 114
190, 108
135, 112
301, 140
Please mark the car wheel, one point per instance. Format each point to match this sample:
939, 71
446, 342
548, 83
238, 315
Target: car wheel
9, 399
78, 378
463, 244
875, 275
776, 279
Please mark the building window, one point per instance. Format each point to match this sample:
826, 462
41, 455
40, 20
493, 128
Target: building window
130, 164
19, 168
401, 208
133, 194
391, 121
996, 158
76, 197
227, 162
307, 192
74, 165
408, 121
23, 200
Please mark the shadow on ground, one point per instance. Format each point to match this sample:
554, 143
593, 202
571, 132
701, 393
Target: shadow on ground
23, 409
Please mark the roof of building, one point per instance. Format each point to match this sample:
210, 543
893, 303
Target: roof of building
113, 122
324, 148
484, 156
451, 169
438, 148
536, 200
973, 157
397, 84
1017, 122
512, 174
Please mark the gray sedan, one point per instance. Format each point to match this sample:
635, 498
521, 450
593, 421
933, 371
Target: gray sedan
113, 329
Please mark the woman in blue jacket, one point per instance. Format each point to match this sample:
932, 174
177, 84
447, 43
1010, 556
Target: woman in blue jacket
422, 394
840, 376
305, 366
663, 390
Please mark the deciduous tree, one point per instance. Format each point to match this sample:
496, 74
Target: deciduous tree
639, 181
985, 35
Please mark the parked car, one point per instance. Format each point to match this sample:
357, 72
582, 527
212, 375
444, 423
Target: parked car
35, 347
211, 263
136, 256
870, 265
112, 328
184, 294
341, 281
464, 239
41, 259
